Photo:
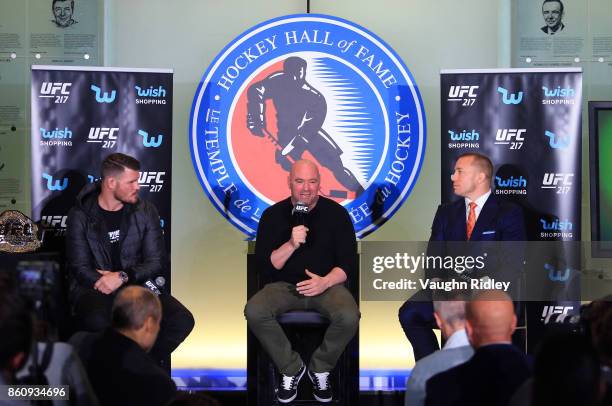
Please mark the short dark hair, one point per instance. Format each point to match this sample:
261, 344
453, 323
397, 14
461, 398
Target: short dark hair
132, 306
554, 1
55, 1
481, 161
16, 327
115, 164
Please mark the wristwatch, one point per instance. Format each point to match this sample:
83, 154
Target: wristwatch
124, 277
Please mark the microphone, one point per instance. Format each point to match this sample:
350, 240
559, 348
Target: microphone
299, 213
155, 286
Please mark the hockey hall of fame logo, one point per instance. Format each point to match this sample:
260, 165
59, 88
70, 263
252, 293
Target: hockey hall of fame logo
315, 87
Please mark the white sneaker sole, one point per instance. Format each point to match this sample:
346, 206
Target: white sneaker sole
327, 400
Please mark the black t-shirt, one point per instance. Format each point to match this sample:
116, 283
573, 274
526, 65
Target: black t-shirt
112, 220
330, 241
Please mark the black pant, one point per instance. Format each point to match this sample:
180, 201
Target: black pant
417, 320
92, 311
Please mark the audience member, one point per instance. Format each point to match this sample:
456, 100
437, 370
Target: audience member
120, 370
60, 365
567, 372
450, 318
597, 321
48, 363
495, 370
15, 337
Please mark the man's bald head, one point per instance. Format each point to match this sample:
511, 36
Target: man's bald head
490, 318
137, 315
132, 306
304, 182
302, 165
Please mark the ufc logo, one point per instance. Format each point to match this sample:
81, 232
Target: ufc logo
554, 179
511, 134
100, 133
54, 221
560, 311
49, 89
462, 91
146, 178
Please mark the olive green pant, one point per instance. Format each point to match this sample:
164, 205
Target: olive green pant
336, 303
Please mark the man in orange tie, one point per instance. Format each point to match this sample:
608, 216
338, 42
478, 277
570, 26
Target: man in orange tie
478, 216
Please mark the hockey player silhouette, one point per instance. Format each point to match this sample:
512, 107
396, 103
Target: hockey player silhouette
300, 113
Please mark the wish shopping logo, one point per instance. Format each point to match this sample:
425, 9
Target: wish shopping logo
150, 95
557, 275
103, 96
512, 185
559, 92
150, 141
55, 184
510, 98
559, 95
557, 141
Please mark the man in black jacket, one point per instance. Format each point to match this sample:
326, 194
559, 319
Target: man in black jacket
119, 368
497, 367
115, 239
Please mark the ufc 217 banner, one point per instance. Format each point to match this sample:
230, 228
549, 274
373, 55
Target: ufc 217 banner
82, 114
528, 122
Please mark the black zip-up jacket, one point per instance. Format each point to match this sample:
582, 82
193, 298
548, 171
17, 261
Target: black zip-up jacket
143, 254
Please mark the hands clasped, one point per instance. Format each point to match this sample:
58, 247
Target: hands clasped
108, 282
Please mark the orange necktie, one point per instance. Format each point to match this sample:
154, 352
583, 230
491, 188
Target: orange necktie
471, 221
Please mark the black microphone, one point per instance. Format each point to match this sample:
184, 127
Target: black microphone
299, 212
155, 286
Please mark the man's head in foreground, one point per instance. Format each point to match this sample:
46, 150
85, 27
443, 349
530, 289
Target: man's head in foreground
137, 314
490, 318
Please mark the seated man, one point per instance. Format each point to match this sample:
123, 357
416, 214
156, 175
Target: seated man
450, 317
480, 217
119, 368
307, 265
15, 339
115, 239
496, 369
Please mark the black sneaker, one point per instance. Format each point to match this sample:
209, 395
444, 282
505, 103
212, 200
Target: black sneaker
287, 388
321, 387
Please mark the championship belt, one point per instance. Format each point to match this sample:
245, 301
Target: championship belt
18, 233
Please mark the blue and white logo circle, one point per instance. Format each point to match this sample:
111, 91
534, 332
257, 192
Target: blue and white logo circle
307, 86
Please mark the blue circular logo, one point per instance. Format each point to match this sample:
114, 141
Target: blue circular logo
307, 86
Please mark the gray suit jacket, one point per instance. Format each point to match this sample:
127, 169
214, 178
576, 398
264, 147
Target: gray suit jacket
431, 365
